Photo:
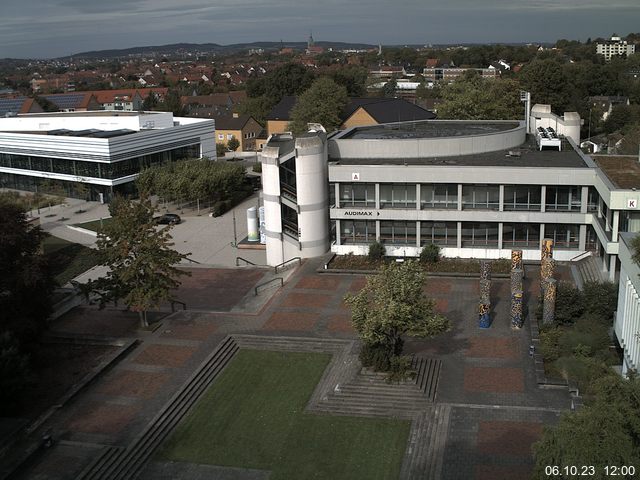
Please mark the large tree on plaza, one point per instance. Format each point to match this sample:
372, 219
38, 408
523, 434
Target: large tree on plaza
321, 103
142, 264
393, 304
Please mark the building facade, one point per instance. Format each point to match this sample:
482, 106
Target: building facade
627, 322
615, 47
95, 154
477, 189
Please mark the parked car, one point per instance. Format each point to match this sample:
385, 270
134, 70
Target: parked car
167, 219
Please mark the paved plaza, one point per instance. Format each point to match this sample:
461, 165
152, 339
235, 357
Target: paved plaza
487, 385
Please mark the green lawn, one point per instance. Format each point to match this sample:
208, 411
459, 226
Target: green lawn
94, 225
67, 259
253, 417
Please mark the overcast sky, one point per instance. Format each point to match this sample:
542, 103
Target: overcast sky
52, 28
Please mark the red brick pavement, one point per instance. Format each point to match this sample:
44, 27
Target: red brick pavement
134, 384
491, 347
499, 472
493, 380
294, 321
190, 330
103, 418
442, 305
166, 355
340, 323
308, 300
439, 286
357, 284
317, 282
507, 438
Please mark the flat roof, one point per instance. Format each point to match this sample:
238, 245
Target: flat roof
90, 113
623, 171
525, 155
429, 129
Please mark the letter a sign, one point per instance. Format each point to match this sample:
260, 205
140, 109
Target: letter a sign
632, 203
355, 177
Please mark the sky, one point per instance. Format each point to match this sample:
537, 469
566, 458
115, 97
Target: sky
53, 28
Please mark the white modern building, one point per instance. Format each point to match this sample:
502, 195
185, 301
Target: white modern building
615, 47
627, 322
476, 188
105, 150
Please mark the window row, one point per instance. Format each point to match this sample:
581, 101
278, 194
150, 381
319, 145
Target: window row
514, 235
474, 197
82, 168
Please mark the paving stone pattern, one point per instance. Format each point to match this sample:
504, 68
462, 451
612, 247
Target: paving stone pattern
486, 396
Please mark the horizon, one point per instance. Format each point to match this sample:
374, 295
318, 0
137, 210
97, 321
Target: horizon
63, 28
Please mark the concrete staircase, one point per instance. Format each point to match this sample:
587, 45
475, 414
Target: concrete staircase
127, 463
425, 450
587, 269
369, 394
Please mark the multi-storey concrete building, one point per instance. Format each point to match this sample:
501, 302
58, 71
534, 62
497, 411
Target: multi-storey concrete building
476, 188
615, 47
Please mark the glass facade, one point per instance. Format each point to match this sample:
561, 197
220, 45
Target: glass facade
480, 197
563, 199
439, 196
440, 233
525, 235
398, 232
289, 221
357, 195
479, 234
522, 197
565, 236
107, 170
353, 232
397, 195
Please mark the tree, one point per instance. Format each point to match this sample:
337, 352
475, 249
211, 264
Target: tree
233, 144
139, 256
15, 373
221, 149
321, 103
26, 283
150, 103
389, 88
393, 304
289, 79
605, 432
474, 98
547, 82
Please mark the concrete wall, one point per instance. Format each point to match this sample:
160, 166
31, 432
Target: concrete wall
427, 147
312, 195
567, 125
627, 320
272, 212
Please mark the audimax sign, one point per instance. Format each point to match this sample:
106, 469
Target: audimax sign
360, 213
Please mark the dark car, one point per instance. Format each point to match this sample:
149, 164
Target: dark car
167, 219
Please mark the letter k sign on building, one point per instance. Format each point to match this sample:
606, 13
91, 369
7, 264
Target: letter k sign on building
632, 203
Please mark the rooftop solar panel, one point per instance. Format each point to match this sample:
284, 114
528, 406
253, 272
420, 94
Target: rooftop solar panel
66, 101
11, 105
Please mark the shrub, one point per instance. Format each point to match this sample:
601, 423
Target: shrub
15, 374
570, 304
549, 343
601, 299
376, 251
583, 371
430, 253
257, 167
220, 149
586, 338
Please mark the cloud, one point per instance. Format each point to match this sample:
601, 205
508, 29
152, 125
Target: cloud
40, 28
